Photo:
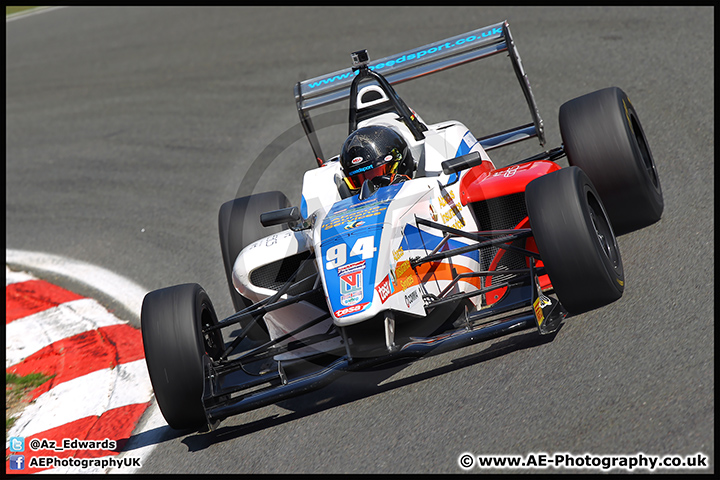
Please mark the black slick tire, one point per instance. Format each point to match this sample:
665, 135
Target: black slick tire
575, 240
602, 134
172, 320
239, 226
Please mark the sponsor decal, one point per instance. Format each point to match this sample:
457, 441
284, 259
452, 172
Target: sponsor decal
401, 268
350, 299
416, 55
351, 282
447, 199
507, 173
404, 275
541, 302
363, 169
350, 310
351, 267
397, 254
433, 213
411, 298
385, 289
269, 241
344, 217
538, 312
351, 288
354, 224
356, 160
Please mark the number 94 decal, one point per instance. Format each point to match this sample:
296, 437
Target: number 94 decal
337, 256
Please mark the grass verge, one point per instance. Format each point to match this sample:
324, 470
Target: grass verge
16, 388
11, 10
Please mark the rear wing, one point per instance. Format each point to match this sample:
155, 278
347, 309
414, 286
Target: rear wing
435, 57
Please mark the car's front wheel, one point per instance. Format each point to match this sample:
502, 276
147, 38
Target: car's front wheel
172, 323
575, 240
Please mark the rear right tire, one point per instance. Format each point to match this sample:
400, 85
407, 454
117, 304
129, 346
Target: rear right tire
601, 134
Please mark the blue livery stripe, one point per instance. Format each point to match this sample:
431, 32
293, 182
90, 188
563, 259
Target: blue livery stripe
415, 239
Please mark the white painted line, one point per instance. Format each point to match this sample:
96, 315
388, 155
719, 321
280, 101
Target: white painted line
138, 447
16, 277
116, 286
29, 13
30, 334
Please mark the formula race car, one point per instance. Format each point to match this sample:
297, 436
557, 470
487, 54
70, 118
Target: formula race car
407, 243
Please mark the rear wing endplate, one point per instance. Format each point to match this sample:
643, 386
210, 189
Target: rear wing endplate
435, 57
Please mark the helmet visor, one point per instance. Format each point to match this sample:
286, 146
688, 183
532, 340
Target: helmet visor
356, 181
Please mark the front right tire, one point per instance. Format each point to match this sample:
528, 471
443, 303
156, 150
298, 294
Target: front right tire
575, 240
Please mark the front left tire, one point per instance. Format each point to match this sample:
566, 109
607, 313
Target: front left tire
172, 322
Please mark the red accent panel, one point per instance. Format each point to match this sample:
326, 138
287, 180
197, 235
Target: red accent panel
482, 185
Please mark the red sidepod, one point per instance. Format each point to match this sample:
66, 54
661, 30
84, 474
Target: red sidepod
483, 183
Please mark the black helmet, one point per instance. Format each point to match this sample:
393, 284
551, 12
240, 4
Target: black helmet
375, 151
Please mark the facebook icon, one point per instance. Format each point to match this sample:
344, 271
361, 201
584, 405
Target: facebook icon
17, 462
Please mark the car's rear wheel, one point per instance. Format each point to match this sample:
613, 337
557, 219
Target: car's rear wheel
602, 134
239, 226
172, 322
575, 240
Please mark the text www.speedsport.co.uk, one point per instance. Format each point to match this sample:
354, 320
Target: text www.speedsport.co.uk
410, 56
638, 461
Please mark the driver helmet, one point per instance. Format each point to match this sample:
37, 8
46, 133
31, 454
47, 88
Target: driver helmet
375, 151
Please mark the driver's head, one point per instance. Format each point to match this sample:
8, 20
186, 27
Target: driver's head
375, 151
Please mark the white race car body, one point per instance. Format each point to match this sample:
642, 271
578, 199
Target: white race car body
362, 247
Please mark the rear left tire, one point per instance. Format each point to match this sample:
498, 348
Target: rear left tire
239, 226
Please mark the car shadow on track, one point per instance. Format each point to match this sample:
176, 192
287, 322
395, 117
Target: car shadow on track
359, 385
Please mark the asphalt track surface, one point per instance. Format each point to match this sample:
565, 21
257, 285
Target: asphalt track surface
127, 128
